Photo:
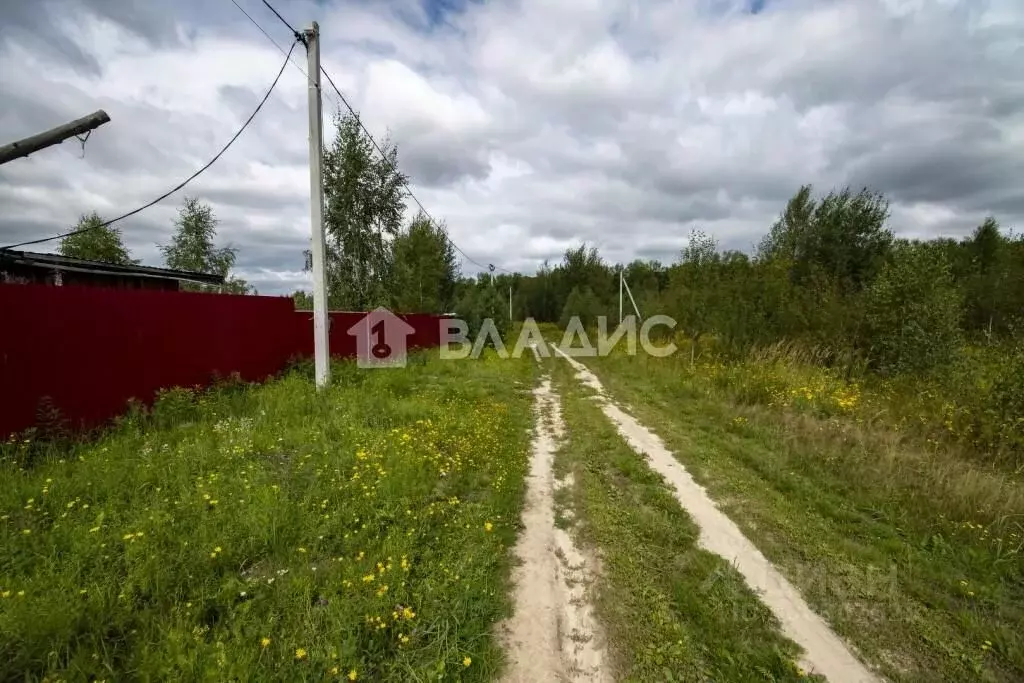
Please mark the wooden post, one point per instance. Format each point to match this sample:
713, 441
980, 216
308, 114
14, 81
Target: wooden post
54, 136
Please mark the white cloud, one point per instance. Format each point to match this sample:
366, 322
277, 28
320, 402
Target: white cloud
527, 126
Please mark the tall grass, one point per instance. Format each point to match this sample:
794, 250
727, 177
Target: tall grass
272, 532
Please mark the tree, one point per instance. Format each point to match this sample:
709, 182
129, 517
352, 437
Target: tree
986, 271
695, 283
96, 243
912, 311
425, 269
192, 248
365, 202
582, 303
841, 237
303, 300
480, 302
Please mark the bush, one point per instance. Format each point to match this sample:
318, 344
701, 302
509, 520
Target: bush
912, 312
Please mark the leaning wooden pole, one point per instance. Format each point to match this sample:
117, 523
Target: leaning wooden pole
22, 148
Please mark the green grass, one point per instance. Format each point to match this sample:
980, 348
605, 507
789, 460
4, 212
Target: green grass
910, 550
671, 611
271, 533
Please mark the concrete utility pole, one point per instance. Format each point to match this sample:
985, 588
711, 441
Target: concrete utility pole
510, 303
321, 338
632, 300
54, 136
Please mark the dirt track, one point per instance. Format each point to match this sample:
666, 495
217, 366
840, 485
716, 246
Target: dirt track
553, 634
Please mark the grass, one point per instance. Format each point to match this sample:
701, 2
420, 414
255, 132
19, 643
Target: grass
273, 533
671, 611
911, 550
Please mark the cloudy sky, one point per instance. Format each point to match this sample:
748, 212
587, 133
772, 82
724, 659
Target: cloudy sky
528, 126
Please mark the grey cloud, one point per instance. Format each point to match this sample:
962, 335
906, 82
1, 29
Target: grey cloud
433, 166
925, 107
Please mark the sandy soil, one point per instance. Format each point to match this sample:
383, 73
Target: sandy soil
553, 634
824, 652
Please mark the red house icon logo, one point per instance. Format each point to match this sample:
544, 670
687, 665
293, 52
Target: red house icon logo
381, 339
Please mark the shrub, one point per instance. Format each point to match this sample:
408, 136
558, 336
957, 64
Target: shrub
912, 312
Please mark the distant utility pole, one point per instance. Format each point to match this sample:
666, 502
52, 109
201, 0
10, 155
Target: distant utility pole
54, 136
510, 303
620, 295
631, 299
321, 338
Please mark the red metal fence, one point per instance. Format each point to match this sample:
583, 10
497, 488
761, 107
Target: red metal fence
90, 350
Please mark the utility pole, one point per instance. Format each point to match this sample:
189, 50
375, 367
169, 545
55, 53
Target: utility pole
54, 136
510, 303
632, 300
620, 295
321, 338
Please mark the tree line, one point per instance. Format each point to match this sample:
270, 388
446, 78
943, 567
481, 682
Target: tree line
829, 272
191, 247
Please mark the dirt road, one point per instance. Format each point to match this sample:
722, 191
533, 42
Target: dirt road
824, 652
553, 634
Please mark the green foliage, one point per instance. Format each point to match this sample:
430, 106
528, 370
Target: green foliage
229, 530
425, 270
303, 300
96, 243
841, 236
192, 248
364, 203
582, 304
912, 312
481, 302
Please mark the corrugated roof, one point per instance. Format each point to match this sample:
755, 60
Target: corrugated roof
58, 262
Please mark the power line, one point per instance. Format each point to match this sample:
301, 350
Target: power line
298, 36
374, 142
407, 188
180, 185
281, 49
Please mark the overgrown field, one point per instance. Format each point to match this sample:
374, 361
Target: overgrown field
271, 533
909, 544
975, 402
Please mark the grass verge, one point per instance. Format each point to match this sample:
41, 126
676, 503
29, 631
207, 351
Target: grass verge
912, 553
671, 611
273, 532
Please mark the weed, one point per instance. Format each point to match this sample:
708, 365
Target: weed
273, 532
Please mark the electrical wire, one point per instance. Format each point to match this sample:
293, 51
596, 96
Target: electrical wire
423, 209
180, 185
298, 36
408, 189
282, 50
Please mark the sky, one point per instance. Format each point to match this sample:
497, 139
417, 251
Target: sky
527, 126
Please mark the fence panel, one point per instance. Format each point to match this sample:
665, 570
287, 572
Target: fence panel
91, 349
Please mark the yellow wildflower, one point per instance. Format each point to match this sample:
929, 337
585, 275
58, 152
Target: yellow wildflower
300, 653
488, 526
264, 642
466, 661
352, 675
